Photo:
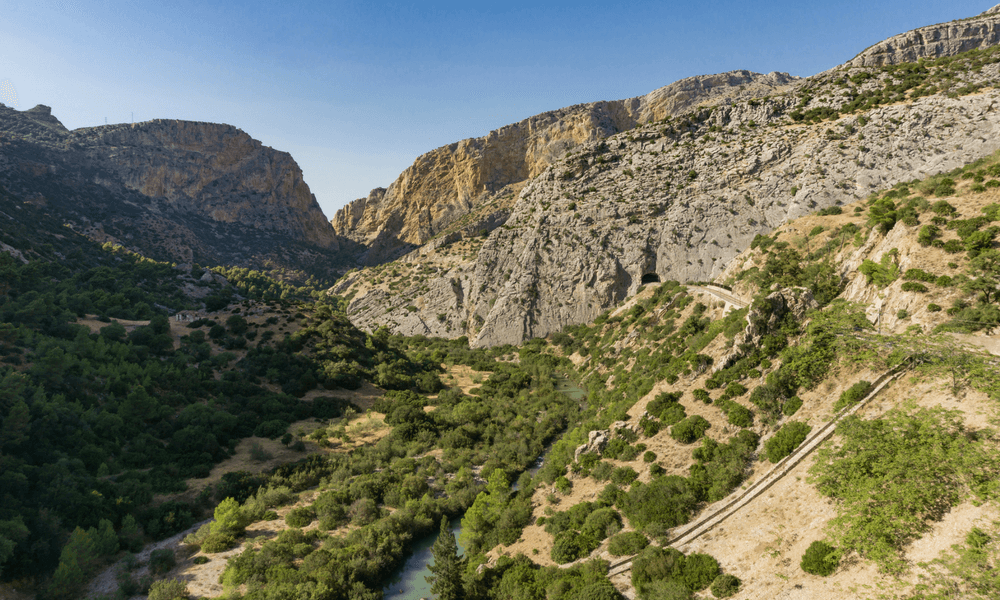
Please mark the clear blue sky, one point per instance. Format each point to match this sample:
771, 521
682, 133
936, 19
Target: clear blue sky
356, 91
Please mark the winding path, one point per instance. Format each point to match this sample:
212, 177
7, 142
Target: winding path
720, 293
725, 508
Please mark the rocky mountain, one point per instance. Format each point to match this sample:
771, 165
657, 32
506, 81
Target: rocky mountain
933, 41
178, 190
457, 180
679, 197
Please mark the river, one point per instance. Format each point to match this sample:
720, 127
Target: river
409, 582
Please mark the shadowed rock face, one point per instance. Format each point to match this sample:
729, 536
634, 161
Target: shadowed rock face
450, 182
173, 189
680, 199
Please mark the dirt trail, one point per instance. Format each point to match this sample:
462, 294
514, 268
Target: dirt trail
722, 294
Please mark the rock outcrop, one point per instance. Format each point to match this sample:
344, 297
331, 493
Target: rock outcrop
766, 317
450, 182
176, 190
933, 41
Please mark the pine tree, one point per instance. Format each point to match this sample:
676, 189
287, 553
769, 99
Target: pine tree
446, 581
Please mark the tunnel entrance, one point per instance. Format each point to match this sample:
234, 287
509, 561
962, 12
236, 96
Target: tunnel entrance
650, 278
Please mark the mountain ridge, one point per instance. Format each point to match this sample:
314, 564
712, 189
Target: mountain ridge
679, 197
178, 190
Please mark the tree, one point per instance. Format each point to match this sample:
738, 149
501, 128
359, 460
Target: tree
446, 581
986, 268
485, 512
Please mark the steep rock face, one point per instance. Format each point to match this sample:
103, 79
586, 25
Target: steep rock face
933, 41
215, 170
174, 190
679, 201
679, 198
448, 183
549, 268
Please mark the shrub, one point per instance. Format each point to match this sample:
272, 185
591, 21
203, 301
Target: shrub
927, 234
564, 485
913, 286
218, 542
171, 589
738, 415
853, 394
725, 585
791, 406
820, 559
650, 427
672, 414
602, 471
700, 570
602, 522
735, 389
933, 307
623, 476
700, 394
627, 543
786, 440
300, 517
161, 561
649, 456
568, 546
690, 429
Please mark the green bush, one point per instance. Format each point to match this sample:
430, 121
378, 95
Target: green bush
933, 307
820, 559
690, 429
853, 394
735, 389
919, 275
700, 570
786, 440
791, 406
927, 234
672, 414
300, 517
700, 394
725, 585
913, 286
601, 523
569, 546
602, 471
649, 456
218, 542
623, 476
171, 589
627, 543
161, 561
738, 415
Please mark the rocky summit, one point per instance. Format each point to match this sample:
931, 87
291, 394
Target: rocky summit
476, 179
176, 190
669, 186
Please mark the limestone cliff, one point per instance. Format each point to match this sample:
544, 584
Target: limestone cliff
933, 41
175, 190
449, 183
678, 198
